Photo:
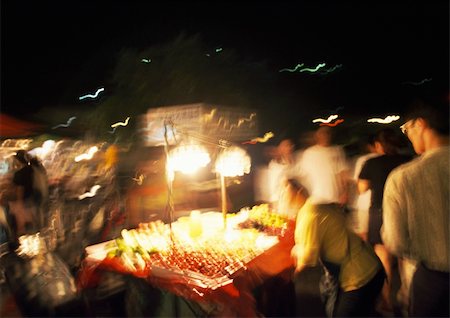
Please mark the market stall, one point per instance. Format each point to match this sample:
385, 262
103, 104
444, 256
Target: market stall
213, 260
196, 258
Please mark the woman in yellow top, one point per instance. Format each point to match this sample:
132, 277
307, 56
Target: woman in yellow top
321, 237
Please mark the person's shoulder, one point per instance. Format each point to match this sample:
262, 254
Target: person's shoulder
404, 157
373, 161
405, 169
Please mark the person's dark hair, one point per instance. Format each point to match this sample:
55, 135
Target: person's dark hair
389, 140
22, 156
364, 142
435, 111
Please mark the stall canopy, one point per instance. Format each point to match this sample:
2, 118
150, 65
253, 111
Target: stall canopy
11, 127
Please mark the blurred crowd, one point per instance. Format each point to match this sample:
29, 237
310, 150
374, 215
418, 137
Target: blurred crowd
362, 216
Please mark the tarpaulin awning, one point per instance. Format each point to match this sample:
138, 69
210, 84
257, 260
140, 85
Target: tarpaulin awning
12, 127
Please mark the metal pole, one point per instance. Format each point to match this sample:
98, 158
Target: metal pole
224, 200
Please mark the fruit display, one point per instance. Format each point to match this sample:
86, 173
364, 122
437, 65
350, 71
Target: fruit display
262, 218
214, 254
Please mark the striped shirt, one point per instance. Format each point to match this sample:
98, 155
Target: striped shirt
416, 210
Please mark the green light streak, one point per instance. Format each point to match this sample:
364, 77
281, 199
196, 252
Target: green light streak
91, 95
419, 83
219, 50
292, 70
331, 69
313, 70
69, 121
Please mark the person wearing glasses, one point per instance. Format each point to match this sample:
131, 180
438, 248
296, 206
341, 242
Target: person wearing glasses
416, 208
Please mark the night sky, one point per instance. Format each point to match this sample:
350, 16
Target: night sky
383, 46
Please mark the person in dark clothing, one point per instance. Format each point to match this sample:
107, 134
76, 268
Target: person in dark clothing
31, 193
373, 176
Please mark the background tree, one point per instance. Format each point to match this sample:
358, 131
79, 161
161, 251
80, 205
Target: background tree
185, 71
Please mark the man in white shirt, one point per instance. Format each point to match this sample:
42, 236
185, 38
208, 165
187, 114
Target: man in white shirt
324, 170
416, 209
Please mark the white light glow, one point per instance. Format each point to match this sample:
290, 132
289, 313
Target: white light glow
187, 159
92, 95
386, 120
41, 152
121, 123
29, 245
90, 194
328, 120
232, 162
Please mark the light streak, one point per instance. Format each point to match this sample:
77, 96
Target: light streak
239, 122
89, 194
243, 120
146, 61
199, 293
337, 122
88, 155
113, 130
90, 95
9, 155
219, 50
331, 69
208, 117
19, 143
263, 139
121, 123
386, 120
313, 70
329, 119
69, 121
419, 83
292, 70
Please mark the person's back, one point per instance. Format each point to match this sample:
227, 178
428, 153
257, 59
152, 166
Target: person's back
321, 236
425, 184
377, 170
416, 208
323, 169
326, 227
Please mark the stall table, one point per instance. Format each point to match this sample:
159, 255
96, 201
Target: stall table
226, 295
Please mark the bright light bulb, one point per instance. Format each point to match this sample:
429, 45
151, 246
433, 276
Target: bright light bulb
233, 162
187, 159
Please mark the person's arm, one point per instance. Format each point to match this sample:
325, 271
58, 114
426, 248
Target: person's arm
394, 231
364, 177
363, 185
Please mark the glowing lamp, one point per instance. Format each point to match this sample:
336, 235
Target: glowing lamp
30, 245
231, 162
187, 159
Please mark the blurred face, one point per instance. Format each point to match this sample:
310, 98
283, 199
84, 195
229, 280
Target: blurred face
323, 136
413, 131
285, 147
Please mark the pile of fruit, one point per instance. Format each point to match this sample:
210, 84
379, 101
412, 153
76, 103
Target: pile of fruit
263, 219
217, 255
